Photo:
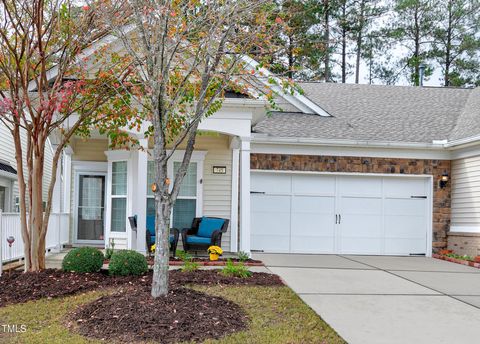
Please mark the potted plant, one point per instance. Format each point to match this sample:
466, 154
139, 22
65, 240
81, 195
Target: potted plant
214, 252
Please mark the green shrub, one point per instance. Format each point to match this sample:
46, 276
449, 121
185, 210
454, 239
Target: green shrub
127, 262
236, 270
83, 259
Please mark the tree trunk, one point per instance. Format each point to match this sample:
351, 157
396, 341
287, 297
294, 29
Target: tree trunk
448, 46
290, 57
359, 42
36, 213
22, 198
162, 244
416, 54
327, 40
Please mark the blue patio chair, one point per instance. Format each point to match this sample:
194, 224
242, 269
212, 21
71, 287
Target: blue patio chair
150, 233
204, 232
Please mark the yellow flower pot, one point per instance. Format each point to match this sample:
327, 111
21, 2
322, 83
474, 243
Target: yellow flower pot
213, 256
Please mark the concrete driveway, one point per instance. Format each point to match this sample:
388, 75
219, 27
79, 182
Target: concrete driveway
378, 299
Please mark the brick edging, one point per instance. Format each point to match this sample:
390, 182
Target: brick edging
457, 261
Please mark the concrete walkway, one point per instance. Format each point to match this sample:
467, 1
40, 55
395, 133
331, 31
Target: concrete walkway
378, 299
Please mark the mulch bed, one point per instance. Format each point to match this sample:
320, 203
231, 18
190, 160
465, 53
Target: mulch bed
184, 315
18, 287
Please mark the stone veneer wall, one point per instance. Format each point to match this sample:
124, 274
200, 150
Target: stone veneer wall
441, 197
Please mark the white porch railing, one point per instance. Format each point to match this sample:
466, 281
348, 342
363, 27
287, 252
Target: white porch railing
57, 234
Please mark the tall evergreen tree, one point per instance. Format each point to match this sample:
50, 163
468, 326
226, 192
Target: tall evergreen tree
456, 46
412, 28
303, 49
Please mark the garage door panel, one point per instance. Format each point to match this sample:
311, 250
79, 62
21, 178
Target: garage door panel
358, 205
401, 246
312, 244
270, 203
270, 223
271, 184
359, 226
317, 204
405, 227
313, 185
361, 245
405, 207
404, 187
360, 186
312, 227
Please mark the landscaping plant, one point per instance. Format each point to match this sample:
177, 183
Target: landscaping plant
83, 259
236, 270
128, 262
110, 249
188, 263
214, 252
243, 256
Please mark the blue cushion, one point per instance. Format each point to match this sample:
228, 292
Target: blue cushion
172, 238
208, 225
151, 224
193, 239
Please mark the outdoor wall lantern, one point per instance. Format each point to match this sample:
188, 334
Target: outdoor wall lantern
444, 180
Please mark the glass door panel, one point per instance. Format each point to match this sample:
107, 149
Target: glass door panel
91, 208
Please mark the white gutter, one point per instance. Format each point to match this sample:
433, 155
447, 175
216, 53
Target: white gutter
465, 141
259, 138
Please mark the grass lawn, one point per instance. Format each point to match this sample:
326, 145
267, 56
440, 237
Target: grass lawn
277, 316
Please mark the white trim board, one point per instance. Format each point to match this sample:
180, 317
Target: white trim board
353, 151
463, 229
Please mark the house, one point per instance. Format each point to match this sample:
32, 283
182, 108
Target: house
354, 169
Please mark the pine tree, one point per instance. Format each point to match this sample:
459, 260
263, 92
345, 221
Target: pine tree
457, 43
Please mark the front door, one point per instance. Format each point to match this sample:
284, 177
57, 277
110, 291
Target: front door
91, 208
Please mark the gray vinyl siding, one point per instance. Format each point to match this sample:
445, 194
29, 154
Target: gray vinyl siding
466, 192
7, 153
217, 188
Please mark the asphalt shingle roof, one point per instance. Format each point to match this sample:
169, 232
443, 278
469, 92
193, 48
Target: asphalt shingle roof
381, 113
7, 168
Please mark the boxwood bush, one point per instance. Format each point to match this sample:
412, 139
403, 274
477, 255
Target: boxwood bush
83, 259
127, 262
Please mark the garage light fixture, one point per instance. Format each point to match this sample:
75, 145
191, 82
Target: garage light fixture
444, 180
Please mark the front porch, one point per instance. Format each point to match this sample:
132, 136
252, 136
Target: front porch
108, 186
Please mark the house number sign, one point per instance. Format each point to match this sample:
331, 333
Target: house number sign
219, 169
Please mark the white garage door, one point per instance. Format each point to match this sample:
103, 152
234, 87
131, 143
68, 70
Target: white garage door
306, 213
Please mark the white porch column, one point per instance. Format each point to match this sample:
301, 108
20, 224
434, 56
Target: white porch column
57, 191
245, 195
67, 175
140, 195
235, 144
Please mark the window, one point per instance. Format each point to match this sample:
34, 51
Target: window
150, 180
3, 191
119, 196
185, 207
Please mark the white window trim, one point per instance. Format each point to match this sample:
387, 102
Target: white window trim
198, 157
117, 156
